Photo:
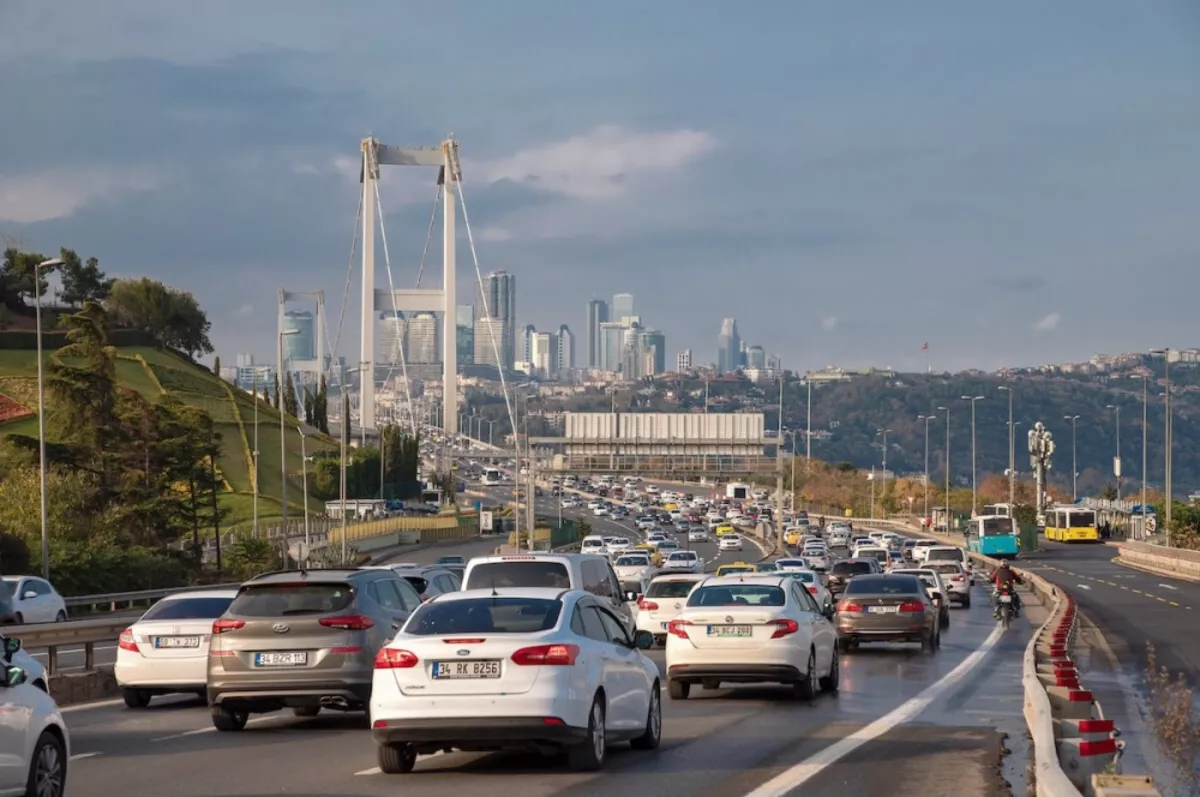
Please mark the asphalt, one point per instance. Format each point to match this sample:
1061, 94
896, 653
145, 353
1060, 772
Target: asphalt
930, 725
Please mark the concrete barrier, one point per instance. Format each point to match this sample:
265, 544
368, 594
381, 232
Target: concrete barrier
83, 687
1172, 562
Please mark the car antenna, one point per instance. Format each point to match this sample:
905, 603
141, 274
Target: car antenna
495, 594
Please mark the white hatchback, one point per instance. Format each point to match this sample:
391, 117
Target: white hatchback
525, 669
34, 740
663, 602
34, 600
752, 629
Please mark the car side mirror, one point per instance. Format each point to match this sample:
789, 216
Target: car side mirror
14, 676
11, 646
829, 613
631, 597
28, 595
643, 640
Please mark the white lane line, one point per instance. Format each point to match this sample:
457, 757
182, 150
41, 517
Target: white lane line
1083, 586
81, 756
805, 771
1168, 586
89, 706
209, 729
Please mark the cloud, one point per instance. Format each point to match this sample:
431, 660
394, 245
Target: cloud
829, 322
1048, 324
600, 164
55, 195
245, 311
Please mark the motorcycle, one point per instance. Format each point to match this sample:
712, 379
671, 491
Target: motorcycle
1006, 606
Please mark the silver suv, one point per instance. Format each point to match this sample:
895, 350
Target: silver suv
428, 580
304, 640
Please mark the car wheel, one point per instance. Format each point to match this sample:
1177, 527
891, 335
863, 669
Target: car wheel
808, 686
928, 645
831, 682
653, 734
18, 619
136, 698
48, 769
589, 756
944, 619
61, 617
661, 640
966, 604
845, 645
678, 690
228, 719
396, 759
306, 711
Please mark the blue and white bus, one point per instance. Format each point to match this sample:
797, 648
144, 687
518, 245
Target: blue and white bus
997, 536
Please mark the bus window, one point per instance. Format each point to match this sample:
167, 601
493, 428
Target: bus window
1082, 520
997, 526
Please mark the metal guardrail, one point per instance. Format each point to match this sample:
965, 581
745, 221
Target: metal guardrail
115, 601
52, 636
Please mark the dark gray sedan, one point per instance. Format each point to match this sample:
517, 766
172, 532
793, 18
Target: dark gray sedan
887, 608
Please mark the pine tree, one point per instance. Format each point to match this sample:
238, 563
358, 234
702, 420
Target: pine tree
278, 393
217, 365
321, 408
289, 396
308, 406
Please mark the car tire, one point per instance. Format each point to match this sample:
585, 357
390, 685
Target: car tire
589, 756
306, 711
652, 737
845, 644
228, 719
831, 682
808, 686
47, 766
136, 698
678, 690
18, 619
396, 759
944, 621
61, 617
928, 643
966, 604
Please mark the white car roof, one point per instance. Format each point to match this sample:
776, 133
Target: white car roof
200, 593
544, 593
945, 548
763, 579
681, 577
684, 555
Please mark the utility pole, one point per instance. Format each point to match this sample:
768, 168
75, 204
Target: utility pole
927, 419
1145, 426
947, 463
1074, 462
779, 471
808, 431
1012, 450
1117, 461
974, 484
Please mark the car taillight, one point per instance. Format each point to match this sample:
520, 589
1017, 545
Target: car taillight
812, 588
647, 606
677, 627
912, 606
784, 627
222, 625
847, 606
960, 578
125, 642
395, 659
352, 622
546, 655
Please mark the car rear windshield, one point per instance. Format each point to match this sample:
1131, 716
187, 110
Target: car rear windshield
282, 600
669, 589
188, 609
944, 555
485, 616
532, 573
884, 585
632, 586
801, 575
737, 595
418, 583
945, 567
632, 561
998, 526
851, 568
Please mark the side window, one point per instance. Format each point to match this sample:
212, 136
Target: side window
806, 601
593, 627
384, 593
612, 626
595, 579
614, 583
577, 623
445, 584
408, 595
39, 586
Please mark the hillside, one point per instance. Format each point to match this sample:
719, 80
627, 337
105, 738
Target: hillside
152, 373
847, 415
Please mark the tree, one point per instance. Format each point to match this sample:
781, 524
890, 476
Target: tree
278, 393
308, 406
16, 277
172, 317
289, 396
321, 407
217, 365
83, 282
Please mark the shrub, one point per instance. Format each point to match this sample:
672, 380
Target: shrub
1175, 721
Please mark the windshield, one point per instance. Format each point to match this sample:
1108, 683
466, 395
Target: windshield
801, 575
791, 563
1081, 520
535, 573
670, 589
681, 556
945, 555
884, 585
485, 616
997, 526
850, 568
737, 595
188, 609
284, 600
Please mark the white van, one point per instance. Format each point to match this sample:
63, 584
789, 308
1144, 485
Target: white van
950, 553
593, 543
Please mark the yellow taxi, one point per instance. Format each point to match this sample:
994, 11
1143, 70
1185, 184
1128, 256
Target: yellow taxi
724, 528
735, 567
792, 536
652, 549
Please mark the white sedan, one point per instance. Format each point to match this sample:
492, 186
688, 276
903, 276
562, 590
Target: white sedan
33, 737
683, 561
519, 669
663, 602
730, 542
752, 629
34, 600
818, 557
812, 582
697, 534
166, 650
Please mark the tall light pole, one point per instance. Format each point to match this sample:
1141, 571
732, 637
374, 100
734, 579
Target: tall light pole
53, 262
927, 419
281, 370
1168, 442
1145, 426
808, 428
883, 432
254, 454
1117, 462
1074, 462
974, 485
1012, 450
304, 476
947, 463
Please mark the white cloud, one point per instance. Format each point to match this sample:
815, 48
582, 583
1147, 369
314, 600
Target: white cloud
829, 322
55, 195
600, 164
245, 311
1048, 323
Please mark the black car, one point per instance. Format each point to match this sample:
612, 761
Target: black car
841, 573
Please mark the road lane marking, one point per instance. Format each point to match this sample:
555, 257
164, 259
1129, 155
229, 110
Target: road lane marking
82, 756
1168, 586
805, 771
88, 706
1084, 586
209, 729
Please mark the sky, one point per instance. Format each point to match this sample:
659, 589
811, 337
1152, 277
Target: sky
1015, 183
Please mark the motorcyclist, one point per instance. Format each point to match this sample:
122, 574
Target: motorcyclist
1006, 578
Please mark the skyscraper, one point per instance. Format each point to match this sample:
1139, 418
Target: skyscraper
566, 348
526, 347
756, 357
299, 347
683, 361
391, 331
597, 315
622, 306
729, 347
498, 299
653, 339
490, 334
421, 340
544, 354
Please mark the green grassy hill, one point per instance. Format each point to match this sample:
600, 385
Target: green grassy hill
152, 373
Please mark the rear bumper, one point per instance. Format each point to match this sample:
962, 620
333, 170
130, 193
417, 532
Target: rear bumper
288, 693
881, 634
736, 673
478, 732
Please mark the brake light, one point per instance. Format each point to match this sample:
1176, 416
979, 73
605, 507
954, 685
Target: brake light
471, 641
395, 659
647, 606
912, 606
222, 625
847, 606
784, 627
546, 655
959, 578
125, 642
676, 627
812, 588
353, 622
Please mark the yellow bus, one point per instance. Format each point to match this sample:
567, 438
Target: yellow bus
1071, 524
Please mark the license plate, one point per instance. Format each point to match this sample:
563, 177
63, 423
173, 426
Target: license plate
730, 630
883, 609
298, 659
1006, 598
177, 642
467, 669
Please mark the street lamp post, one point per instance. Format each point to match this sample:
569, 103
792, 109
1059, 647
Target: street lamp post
304, 476
491, 425
1012, 450
974, 485
808, 428
1117, 461
1074, 462
1167, 442
281, 370
883, 432
254, 454
927, 419
1145, 425
947, 463
53, 262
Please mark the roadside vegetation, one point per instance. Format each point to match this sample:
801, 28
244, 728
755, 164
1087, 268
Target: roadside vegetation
1175, 722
